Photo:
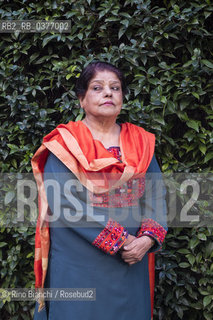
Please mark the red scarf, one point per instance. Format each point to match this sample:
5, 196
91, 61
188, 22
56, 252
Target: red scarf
74, 145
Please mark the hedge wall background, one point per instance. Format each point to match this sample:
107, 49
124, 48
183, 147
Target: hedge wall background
165, 49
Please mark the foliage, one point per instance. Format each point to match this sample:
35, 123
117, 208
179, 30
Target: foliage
165, 50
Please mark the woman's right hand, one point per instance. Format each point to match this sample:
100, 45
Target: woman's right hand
129, 239
136, 249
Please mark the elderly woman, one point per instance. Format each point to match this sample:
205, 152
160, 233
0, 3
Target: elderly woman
98, 219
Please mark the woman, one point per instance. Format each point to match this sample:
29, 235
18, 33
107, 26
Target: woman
106, 218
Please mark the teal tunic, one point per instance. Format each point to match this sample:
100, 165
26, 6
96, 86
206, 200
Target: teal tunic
122, 291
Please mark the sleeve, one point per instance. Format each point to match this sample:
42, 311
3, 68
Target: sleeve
69, 206
153, 207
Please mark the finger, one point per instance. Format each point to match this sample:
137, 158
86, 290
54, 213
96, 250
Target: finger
127, 255
130, 246
130, 260
130, 256
133, 258
132, 252
127, 258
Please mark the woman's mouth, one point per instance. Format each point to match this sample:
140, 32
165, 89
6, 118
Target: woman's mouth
108, 103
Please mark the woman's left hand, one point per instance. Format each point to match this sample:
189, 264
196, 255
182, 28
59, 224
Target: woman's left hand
136, 250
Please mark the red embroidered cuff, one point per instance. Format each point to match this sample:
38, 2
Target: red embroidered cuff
111, 238
152, 229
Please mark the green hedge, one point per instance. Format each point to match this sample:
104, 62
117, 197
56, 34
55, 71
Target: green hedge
165, 50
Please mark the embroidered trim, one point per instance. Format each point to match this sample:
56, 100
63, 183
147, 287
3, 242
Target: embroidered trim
124, 196
153, 229
111, 238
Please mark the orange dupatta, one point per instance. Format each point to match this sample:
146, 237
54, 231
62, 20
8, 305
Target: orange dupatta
74, 145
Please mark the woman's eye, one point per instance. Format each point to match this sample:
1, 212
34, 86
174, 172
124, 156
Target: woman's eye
96, 88
116, 88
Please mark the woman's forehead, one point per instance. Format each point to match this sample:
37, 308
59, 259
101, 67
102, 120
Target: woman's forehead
104, 75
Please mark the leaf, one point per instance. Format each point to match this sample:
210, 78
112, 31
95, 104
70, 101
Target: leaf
184, 265
80, 36
42, 59
112, 19
102, 13
208, 157
144, 58
79, 117
207, 315
164, 167
29, 255
189, 136
125, 23
163, 99
184, 251
43, 113
68, 76
125, 14
202, 148
121, 32
34, 56
193, 243
196, 95
199, 257
207, 300
202, 236
207, 13
9, 197
154, 81
48, 39
191, 258
3, 244
207, 63
193, 124
188, 63
14, 163
159, 119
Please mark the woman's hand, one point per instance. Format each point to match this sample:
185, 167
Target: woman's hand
135, 250
129, 240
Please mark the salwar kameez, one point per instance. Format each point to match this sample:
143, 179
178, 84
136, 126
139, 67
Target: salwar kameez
122, 291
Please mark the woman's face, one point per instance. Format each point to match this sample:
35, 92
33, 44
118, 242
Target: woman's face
104, 95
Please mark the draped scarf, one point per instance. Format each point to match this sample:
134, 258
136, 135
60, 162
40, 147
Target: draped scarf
95, 167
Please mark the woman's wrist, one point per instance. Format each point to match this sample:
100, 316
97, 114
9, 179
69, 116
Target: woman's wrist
150, 239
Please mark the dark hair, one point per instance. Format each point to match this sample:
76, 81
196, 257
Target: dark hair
89, 72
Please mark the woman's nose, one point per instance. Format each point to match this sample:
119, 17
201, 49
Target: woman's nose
107, 91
